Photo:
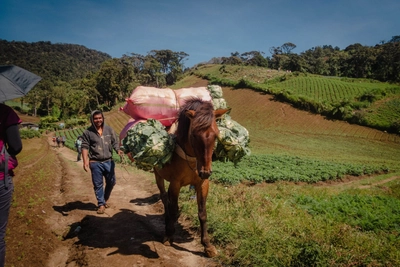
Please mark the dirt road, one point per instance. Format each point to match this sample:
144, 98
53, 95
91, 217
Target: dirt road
130, 231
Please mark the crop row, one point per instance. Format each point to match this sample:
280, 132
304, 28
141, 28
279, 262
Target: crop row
272, 168
322, 89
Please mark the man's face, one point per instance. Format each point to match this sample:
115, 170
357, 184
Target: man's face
98, 120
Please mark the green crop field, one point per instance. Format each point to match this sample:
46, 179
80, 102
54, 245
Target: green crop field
326, 89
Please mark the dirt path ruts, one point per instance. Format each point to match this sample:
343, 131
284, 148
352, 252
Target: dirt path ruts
380, 182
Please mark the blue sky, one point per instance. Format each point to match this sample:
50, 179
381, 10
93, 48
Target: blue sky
203, 28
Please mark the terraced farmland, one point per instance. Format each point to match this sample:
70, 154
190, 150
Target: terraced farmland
278, 128
326, 89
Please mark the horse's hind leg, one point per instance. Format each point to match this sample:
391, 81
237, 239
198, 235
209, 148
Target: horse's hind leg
161, 186
164, 198
173, 212
202, 192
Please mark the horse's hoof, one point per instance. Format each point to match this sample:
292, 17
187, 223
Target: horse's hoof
167, 241
211, 252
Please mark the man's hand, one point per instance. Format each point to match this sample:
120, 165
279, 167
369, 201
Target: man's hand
86, 166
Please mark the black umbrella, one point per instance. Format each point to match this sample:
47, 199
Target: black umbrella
16, 82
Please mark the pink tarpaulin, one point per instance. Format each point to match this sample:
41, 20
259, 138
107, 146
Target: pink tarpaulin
161, 104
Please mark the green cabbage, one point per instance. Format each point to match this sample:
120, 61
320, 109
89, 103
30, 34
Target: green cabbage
149, 144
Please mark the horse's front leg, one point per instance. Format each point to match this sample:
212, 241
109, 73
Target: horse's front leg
202, 192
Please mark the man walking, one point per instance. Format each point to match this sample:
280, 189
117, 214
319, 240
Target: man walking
98, 143
78, 145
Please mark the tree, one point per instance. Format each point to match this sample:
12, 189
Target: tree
395, 39
40, 98
287, 48
234, 59
171, 63
359, 63
112, 81
254, 58
387, 64
316, 60
295, 63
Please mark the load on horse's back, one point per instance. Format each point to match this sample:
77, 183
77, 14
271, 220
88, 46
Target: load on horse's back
190, 164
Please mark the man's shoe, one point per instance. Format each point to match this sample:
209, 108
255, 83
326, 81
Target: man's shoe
101, 210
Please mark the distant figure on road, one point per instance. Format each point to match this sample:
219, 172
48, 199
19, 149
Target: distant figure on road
78, 145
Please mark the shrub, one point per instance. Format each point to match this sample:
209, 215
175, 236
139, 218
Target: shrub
395, 127
74, 122
29, 133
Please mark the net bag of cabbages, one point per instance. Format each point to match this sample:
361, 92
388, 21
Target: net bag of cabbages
149, 144
233, 141
216, 94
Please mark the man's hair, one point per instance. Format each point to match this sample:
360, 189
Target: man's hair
97, 112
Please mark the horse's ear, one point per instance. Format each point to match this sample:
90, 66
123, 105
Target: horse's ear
219, 112
190, 113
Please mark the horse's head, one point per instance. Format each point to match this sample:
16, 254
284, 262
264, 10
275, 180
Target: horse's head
201, 134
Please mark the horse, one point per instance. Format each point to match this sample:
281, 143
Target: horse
190, 164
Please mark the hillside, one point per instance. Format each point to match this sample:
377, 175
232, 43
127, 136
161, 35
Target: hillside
65, 62
347, 99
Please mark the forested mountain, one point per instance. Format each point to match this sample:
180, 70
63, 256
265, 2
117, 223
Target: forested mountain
76, 80
65, 62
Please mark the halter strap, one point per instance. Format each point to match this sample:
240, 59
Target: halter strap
182, 154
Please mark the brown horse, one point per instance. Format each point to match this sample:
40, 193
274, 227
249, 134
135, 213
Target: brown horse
191, 164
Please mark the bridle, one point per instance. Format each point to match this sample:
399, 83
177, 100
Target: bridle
189, 159
181, 153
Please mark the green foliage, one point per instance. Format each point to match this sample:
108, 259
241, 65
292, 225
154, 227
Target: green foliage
365, 212
271, 168
76, 122
52, 62
19, 106
48, 122
385, 116
29, 133
55, 112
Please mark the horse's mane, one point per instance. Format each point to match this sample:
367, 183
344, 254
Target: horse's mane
203, 119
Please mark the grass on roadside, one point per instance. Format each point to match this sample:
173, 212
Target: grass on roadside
283, 224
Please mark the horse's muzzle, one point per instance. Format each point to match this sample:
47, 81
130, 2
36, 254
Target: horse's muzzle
205, 175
